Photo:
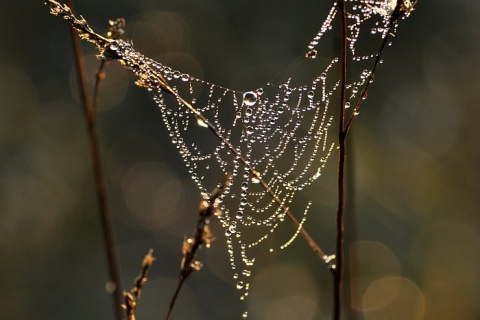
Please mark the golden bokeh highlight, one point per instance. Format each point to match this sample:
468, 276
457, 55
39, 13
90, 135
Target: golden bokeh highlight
284, 291
152, 194
447, 257
112, 87
371, 261
393, 298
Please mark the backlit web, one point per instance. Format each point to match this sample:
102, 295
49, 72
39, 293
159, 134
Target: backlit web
273, 140
279, 130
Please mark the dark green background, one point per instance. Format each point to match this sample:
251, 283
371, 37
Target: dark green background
415, 155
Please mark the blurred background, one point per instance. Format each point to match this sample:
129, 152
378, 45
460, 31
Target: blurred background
413, 228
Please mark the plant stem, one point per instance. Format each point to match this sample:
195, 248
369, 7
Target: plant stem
106, 216
342, 135
174, 298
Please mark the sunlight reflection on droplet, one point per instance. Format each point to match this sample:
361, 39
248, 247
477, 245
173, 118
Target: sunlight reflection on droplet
249, 98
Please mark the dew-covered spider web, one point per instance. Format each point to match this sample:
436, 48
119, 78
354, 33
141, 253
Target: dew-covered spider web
273, 140
280, 131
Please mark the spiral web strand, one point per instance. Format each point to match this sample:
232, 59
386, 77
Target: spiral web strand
273, 140
280, 129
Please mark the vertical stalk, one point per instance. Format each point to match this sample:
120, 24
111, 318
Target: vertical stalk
342, 134
106, 216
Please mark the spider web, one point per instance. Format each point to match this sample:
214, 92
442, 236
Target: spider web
273, 140
280, 132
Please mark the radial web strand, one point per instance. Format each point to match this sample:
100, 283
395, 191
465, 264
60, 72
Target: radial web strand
281, 130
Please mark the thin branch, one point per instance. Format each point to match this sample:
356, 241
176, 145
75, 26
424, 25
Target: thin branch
202, 236
115, 31
99, 76
369, 80
403, 9
123, 52
342, 134
132, 297
106, 216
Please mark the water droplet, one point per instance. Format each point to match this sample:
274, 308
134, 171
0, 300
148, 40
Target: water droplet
312, 54
244, 185
176, 74
249, 98
323, 76
201, 123
240, 285
310, 94
347, 105
114, 46
239, 215
247, 273
248, 112
256, 177
250, 130
185, 77
245, 314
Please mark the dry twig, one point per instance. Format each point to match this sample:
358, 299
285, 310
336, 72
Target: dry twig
115, 31
114, 284
132, 297
201, 236
403, 7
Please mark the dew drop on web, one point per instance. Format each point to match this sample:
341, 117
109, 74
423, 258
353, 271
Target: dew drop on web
201, 123
249, 98
240, 285
312, 54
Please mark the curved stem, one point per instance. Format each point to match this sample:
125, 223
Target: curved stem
106, 216
363, 94
174, 298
